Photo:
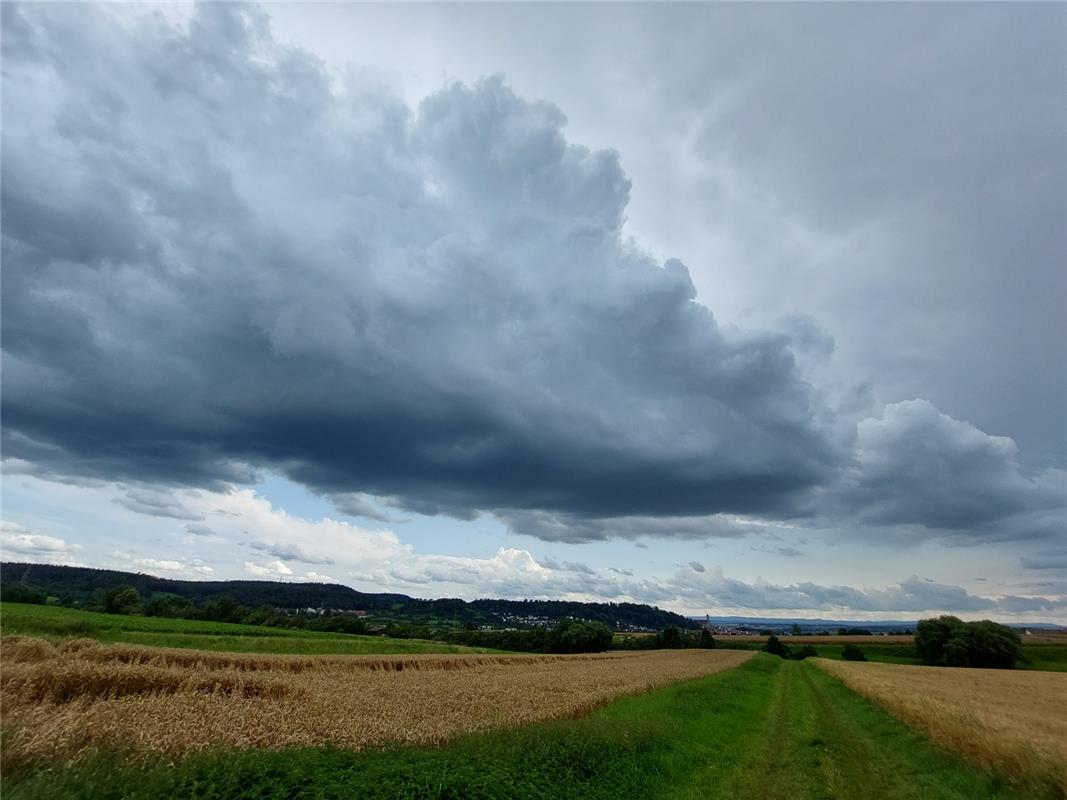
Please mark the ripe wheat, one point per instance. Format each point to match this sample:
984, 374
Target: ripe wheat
1008, 720
59, 700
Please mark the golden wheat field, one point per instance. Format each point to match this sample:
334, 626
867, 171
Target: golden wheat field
58, 700
1009, 720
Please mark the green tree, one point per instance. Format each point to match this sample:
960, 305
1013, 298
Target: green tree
776, 646
948, 641
802, 652
933, 635
670, 637
121, 600
984, 644
21, 593
339, 623
167, 605
577, 636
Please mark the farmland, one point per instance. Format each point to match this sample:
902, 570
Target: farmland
262, 712
1012, 721
56, 622
766, 728
84, 694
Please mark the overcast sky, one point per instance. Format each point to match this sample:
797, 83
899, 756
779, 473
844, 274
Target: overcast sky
751, 309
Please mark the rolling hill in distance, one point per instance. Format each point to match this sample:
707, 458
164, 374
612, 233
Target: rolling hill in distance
76, 586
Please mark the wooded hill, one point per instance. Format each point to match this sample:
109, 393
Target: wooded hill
82, 586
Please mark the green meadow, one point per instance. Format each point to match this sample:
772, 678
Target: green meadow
54, 622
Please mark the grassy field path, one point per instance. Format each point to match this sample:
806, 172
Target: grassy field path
820, 741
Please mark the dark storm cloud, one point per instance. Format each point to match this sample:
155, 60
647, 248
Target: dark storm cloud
1046, 559
218, 260
551, 526
240, 269
917, 466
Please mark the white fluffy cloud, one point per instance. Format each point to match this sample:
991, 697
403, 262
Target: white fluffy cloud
18, 543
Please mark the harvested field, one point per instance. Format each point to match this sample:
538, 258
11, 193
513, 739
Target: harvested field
1007, 720
59, 700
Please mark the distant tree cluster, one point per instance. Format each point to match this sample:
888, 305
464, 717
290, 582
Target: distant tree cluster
567, 636
777, 647
125, 599
20, 593
670, 638
951, 642
851, 652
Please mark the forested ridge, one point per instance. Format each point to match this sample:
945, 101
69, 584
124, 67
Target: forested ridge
81, 586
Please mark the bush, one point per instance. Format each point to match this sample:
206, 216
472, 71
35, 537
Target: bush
705, 640
948, 641
669, 638
121, 600
574, 636
167, 605
851, 652
338, 623
403, 630
805, 651
21, 593
776, 646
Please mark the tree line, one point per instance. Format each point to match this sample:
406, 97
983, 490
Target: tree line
80, 587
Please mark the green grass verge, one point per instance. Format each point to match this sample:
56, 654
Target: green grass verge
1045, 657
768, 729
54, 622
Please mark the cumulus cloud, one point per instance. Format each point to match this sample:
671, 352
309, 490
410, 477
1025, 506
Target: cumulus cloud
270, 569
168, 567
256, 266
162, 565
573, 528
15, 540
788, 552
357, 504
917, 466
157, 503
913, 595
1046, 559
290, 552
515, 573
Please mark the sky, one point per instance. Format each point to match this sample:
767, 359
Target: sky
732, 309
